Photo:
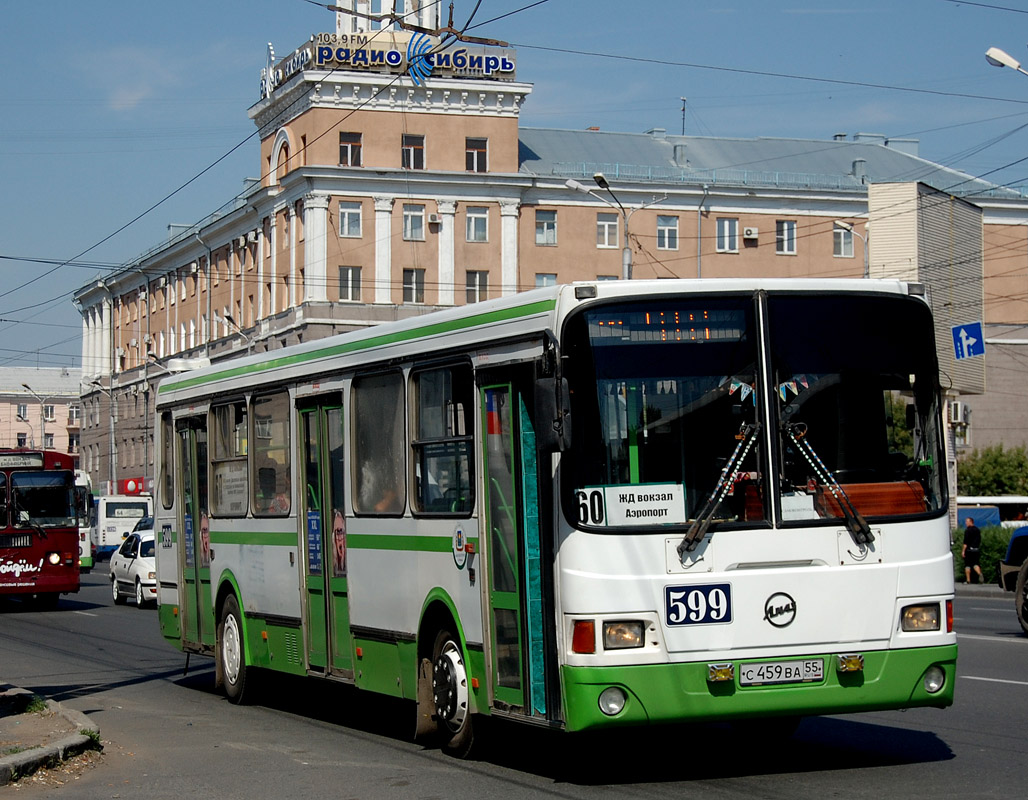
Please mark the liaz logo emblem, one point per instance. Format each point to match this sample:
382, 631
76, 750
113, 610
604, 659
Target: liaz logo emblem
780, 610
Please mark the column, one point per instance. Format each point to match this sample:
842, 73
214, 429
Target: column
447, 246
291, 216
315, 256
383, 249
509, 210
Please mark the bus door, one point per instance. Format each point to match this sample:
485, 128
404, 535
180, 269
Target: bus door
513, 544
196, 604
325, 593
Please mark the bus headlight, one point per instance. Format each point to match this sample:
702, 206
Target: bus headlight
54, 558
612, 701
934, 680
921, 618
621, 635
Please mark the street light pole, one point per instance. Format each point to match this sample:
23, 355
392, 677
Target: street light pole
42, 414
110, 446
846, 226
626, 214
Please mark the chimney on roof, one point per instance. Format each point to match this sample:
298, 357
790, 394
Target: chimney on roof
657, 133
908, 146
860, 169
839, 137
869, 138
681, 155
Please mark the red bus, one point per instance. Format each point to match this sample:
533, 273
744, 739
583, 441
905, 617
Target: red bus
39, 530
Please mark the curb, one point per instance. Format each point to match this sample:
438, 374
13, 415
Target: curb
17, 766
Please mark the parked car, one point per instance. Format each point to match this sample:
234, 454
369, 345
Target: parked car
133, 572
1013, 573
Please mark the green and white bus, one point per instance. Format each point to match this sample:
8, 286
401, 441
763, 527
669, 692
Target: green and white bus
585, 506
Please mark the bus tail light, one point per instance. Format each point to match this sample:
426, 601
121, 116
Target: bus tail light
949, 616
583, 636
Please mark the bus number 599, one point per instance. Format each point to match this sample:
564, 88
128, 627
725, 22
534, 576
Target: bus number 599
698, 605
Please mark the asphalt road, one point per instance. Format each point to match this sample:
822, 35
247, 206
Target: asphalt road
169, 735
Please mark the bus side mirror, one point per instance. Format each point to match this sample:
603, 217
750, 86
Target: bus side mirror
553, 414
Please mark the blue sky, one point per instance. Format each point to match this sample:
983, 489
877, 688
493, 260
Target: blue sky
111, 107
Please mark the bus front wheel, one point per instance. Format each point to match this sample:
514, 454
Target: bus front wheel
450, 695
231, 650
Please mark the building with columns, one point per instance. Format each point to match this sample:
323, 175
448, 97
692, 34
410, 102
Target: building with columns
392, 184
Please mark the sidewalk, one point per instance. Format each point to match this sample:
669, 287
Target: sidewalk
36, 733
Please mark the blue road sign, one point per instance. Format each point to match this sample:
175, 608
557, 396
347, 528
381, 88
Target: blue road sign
968, 340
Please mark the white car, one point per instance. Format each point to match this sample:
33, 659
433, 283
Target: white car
133, 572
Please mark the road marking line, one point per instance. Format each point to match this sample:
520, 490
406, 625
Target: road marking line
994, 680
991, 638
84, 613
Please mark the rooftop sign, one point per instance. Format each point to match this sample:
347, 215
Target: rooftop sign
416, 54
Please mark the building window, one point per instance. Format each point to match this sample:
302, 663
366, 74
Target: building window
477, 285
545, 228
475, 154
350, 220
23, 411
350, 283
48, 413
48, 441
843, 243
606, 230
413, 223
478, 224
413, 151
349, 149
667, 233
545, 279
23, 440
414, 286
727, 235
785, 237
74, 442
74, 414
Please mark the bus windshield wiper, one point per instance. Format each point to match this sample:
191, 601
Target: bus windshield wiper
747, 436
855, 524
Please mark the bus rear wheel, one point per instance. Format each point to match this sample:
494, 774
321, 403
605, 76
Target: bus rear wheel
232, 651
450, 695
1021, 596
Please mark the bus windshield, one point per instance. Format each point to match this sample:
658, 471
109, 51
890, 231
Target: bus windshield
43, 499
670, 406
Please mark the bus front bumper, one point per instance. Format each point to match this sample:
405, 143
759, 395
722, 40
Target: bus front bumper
669, 693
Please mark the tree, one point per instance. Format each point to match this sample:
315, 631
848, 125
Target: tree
993, 471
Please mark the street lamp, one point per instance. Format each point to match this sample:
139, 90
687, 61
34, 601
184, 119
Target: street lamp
1000, 58
228, 320
846, 226
42, 413
626, 214
110, 433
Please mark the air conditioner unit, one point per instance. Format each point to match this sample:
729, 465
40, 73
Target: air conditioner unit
242, 242
434, 219
956, 412
251, 237
750, 233
133, 343
147, 338
192, 268
120, 352
162, 282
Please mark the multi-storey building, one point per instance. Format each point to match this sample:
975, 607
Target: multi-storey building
40, 408
390, 185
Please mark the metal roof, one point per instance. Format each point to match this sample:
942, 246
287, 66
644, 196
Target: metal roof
841, 164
